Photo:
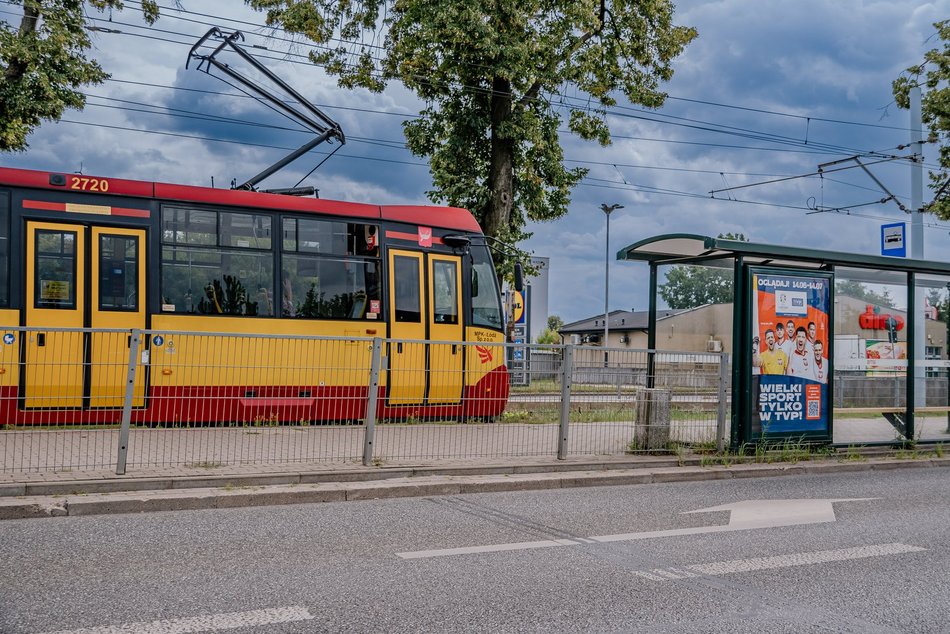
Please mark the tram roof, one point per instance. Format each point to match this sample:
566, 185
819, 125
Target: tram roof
685, 248
426, 215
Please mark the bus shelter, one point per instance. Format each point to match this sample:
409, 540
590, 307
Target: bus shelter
830, 347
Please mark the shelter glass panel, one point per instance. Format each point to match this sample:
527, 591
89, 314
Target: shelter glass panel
695, 309
932, 332
870, 354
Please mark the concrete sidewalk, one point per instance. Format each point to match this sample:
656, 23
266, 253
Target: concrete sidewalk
101, 492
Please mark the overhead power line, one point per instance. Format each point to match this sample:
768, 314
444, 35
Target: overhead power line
296, 57
638, 114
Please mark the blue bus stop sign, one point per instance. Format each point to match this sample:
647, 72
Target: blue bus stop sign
894, 240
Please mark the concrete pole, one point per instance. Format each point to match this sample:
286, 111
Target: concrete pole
916, 177
917, 246
607, 209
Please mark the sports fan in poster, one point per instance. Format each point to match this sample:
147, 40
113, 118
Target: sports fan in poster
790, 347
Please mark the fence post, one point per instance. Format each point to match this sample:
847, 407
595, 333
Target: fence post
567, 376
721, 426
369, 422
127, 404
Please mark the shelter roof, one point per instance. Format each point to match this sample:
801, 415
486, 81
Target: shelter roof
686, 248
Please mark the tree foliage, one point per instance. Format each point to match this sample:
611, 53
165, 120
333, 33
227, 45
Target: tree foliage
939, 299
856, 289
550, 334
44, 64
689, 286
933, 77
489, 73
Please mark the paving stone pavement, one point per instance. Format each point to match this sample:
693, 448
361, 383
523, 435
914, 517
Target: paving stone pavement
217, 468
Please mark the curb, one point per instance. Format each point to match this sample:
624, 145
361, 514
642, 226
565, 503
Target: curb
402, 485
367, 474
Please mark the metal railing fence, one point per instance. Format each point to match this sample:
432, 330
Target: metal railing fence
84, 399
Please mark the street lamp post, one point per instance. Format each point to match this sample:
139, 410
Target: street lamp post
607, 209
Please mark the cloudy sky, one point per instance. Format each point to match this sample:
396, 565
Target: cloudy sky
770, 89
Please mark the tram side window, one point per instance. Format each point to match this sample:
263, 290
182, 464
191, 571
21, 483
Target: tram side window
486, 300
118, 272
55, 268
4, 249
445, 291
329, 270
217, 263
406, 281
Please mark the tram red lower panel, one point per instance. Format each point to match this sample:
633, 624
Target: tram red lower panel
229, 405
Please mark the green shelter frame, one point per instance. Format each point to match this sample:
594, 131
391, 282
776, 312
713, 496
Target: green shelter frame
693, 249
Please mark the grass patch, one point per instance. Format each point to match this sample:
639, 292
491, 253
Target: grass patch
852, 454
788, 450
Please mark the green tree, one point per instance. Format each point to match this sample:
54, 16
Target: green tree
939, 299
550, 334
489, 72
689, 286
44, 63
862, 292
933, 77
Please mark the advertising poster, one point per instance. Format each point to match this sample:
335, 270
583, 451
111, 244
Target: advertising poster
791, 331
884, 357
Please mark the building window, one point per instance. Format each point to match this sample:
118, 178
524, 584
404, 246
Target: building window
934, 353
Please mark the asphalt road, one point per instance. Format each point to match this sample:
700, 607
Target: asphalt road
610, 559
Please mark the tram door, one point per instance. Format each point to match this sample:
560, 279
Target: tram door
81, 277
425, 303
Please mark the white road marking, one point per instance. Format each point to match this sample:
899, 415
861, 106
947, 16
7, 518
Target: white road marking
780, 561
746, 515
767, 513
206, 623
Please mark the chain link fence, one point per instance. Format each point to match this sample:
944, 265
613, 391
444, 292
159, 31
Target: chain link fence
82, 399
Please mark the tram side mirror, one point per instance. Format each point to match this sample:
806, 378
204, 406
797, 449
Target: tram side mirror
474, 283
519, 277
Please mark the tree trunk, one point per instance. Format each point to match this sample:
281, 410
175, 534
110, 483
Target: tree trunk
501, 169
16, 67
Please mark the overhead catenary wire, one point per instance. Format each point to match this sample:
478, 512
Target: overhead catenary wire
401, 145
288, 54
409, 115
257, 25
142, 107
289, 57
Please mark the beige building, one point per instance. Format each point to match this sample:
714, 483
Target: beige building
703, 329
709, 328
